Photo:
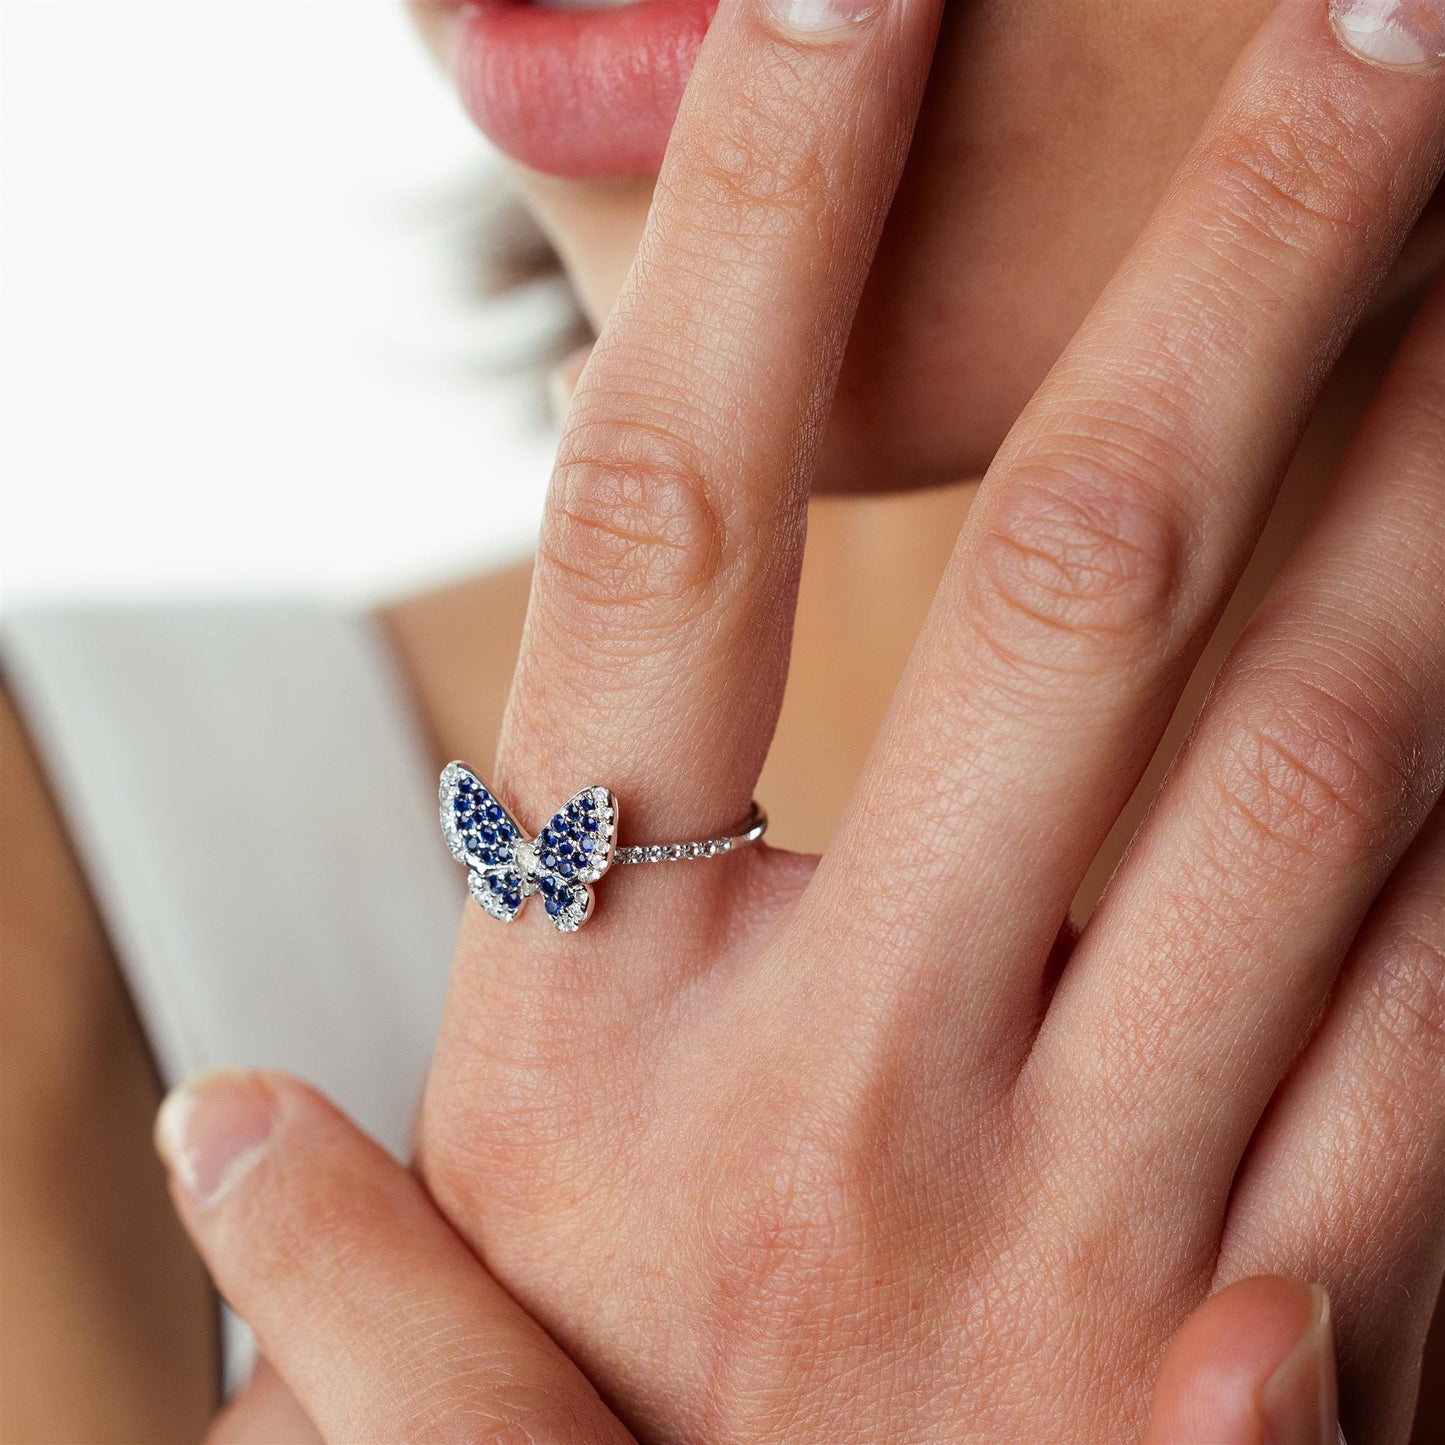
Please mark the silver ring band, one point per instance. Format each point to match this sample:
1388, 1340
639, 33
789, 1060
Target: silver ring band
749, 832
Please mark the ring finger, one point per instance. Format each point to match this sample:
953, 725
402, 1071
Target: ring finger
656, 644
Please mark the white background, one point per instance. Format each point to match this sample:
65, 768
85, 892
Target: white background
239, 350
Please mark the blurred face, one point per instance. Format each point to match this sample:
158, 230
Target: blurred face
1049, 133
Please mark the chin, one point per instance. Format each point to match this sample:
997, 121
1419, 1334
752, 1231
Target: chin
1041, 151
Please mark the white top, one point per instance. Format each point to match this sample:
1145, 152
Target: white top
249, 794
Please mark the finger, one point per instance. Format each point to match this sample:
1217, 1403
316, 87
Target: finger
1346, 1178
1117, 518
1253, 1363
1317, 759
562, 381
372, 1310
264, 1413
656, 643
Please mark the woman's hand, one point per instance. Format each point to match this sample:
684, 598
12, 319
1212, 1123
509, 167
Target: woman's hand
391, 1331
383, 1323
854, 1152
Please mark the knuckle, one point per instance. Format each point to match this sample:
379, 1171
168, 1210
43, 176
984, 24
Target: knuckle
785, 1219
634, 521
1407, 994
1306, 773
1291, 181
530, 1131
1084, 550
751, 177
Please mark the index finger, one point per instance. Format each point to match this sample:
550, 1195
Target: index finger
656, 645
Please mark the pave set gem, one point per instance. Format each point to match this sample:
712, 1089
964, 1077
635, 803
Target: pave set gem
505, 867
673, 852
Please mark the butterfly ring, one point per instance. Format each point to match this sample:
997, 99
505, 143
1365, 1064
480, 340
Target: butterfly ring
505, 867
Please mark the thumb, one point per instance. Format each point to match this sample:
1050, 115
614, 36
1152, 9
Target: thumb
1253, 1365
373, 1311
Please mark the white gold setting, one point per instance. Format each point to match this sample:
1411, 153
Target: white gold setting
749, 832
569, 854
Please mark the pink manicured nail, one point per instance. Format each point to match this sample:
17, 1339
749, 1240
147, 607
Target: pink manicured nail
211, 1131
816, 15
1400, 33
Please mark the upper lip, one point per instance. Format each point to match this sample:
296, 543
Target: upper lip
580, 92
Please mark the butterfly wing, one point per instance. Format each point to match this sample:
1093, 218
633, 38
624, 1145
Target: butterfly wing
482, 835
573, 851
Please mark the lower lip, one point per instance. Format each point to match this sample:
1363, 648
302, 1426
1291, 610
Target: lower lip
584, 94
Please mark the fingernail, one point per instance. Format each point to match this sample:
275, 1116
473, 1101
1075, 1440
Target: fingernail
1400, 33
816, 15
212, 1131
1298, 1404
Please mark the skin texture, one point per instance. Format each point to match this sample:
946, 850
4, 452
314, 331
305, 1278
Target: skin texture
339, 1294
787, 1149
1251, 1364
1049, 132
748, 1112
615, 211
